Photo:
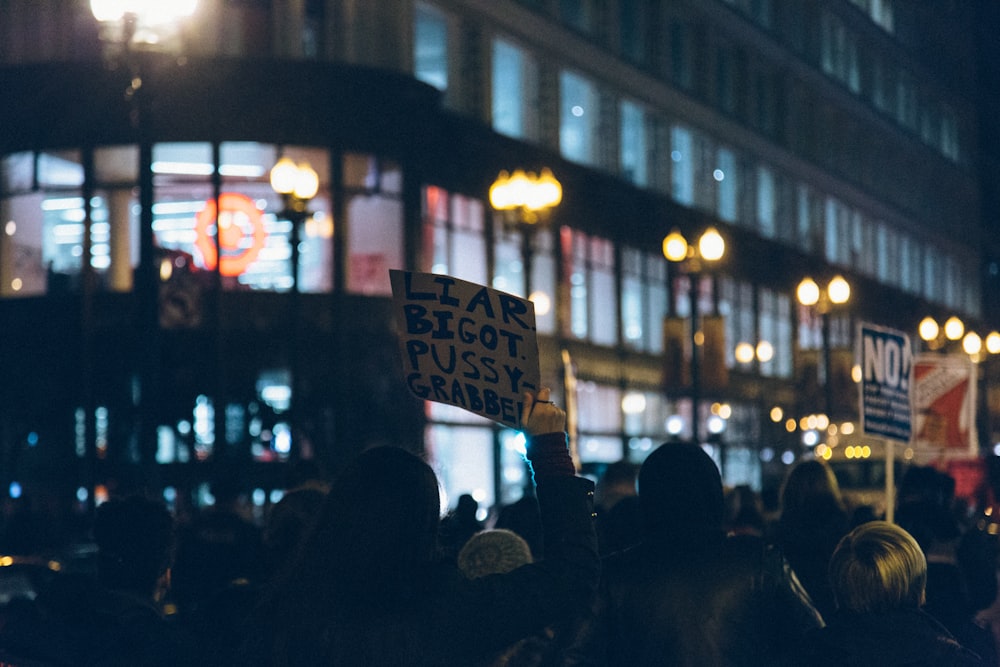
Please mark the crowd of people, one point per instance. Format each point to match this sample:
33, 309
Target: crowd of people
655, 564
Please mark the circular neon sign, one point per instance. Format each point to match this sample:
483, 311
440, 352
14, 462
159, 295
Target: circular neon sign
241, 233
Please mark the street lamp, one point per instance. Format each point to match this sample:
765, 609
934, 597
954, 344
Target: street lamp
126, 26
525, 201
693, 259
836, 293
297, 183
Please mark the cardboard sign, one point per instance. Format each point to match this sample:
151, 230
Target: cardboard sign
465, 344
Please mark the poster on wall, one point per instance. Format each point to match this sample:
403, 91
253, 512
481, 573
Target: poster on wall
465, 344
944, 404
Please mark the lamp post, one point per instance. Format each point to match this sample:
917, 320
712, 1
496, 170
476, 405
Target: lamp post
837, 292
525, 201
693, 259
127, 26
297, 183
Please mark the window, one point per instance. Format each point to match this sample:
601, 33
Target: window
580, 15
453, 234
430, 47
682, 159
254, 236
578, 118
633, 143
839, 52
515, 91
44, 229
374, 223
727, 185
510, 275
632, 35
681, 55
462, 458
766, 202
600, 422
644, 299
590, 273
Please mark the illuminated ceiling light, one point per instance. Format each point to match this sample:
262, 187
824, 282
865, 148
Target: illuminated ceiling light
765, 351
777, 414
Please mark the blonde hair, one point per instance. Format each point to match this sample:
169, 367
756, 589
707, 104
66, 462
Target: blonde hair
878, 567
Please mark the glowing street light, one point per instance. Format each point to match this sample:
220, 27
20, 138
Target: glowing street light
836, 293
692, 260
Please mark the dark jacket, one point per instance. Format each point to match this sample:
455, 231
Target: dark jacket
714, 601
905, 637
447, 619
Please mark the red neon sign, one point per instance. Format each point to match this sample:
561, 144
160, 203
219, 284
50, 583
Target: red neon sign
241, 233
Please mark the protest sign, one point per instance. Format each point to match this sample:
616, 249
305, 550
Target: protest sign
465, 344
886, 371
945, 404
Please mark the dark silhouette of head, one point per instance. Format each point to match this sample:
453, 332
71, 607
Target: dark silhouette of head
377, 527
289, 520
135, 544
466, 507
810, 485
680, 492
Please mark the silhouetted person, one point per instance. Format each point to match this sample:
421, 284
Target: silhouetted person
459, 525
220, 620
495, 552
368, 587
115, 619
744, 512
961, 563
617, 507
216, 548
688, 595
878, 574
812, 521
522, 517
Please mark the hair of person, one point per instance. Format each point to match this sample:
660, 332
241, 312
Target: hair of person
377, 526
289, 520
493, 551
878, 567
135, 543
357, 567
807, 483
680, 491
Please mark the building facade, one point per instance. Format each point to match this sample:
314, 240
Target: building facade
164, 320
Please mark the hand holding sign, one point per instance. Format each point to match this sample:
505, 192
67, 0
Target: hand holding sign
540, 415
466, 344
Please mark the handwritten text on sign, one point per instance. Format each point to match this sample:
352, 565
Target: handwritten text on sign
466, 344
